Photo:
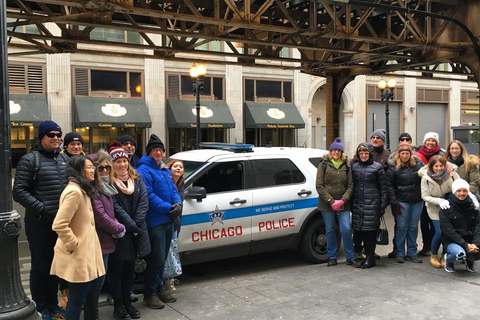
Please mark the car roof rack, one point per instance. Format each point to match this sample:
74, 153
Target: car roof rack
237, 148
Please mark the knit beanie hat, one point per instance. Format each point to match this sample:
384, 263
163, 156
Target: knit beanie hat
379, 132
154, 142
116, 151
460, 184
47, 126
431, 135
70, 137
336, 144
125, 138
404, 146
405, 135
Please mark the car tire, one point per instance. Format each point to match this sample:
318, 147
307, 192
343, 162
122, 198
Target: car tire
313, 243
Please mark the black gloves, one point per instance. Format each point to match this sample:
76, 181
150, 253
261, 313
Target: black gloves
177, 223
175, 211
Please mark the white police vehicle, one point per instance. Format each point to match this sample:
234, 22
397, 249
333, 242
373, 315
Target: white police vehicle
242, 200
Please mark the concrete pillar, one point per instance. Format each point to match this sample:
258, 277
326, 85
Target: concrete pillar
234, 99
301, 91
410, 109
155, 97
59, 90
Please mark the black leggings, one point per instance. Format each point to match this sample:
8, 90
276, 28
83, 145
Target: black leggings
426, 225
368, 238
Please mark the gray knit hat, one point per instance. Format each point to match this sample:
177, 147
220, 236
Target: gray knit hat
379, 132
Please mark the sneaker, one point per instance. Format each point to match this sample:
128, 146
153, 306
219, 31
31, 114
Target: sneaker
470, 265
413, 259
449, 267
58, 313
153, 302
166, 297
46, 315
354, 263
400, 259
331, 262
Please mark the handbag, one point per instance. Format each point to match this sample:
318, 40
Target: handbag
382, 233
173, 267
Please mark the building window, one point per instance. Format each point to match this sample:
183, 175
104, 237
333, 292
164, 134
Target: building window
29, 79
257, 90
108, 83
104, 34
180, 87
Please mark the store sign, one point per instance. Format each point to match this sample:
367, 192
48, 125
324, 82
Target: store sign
204, 112
21, 124
114, 110
129, 125
14, 107
280, 126
276, 113
105, 125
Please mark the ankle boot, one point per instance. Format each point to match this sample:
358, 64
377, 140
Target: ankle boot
134, 313
369, 262
119, 312
426, 250
90, 308
434, 261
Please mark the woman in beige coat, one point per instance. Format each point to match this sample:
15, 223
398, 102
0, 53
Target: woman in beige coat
78, 255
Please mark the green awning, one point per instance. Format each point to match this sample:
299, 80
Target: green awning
28, 109
271, 116
111, 112
213, 114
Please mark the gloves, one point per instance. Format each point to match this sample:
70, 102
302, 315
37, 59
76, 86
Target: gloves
177, 223
175, 211
398, 210
337, 204
121, 234
444, 204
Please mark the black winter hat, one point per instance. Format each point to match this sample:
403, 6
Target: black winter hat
405, 135
125, 138
47, 126
72, 136
154, 142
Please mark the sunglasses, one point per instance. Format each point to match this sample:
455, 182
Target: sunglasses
52, 134
405, 139
108, 168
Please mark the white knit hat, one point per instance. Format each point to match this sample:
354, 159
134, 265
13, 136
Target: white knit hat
460, 184
431, 135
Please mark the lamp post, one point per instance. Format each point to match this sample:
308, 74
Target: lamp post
198, 75
386, 96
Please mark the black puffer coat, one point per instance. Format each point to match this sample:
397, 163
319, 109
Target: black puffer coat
404, 183
134, 221
40, 196
369, 193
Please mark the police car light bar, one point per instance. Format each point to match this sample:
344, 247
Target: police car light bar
227, 146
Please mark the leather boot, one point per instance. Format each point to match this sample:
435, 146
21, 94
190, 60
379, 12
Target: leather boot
134, 313
90, 307
119, 312
369, 262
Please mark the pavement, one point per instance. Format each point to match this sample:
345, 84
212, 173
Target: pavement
282, 285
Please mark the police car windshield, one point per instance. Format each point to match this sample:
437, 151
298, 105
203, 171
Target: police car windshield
189, 166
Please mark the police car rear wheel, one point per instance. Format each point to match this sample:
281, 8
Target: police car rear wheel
313, 245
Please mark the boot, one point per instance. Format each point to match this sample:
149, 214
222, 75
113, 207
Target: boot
169, 285
426, 251
369, 262
434, 261
90, 307
64, 298
119, 312
134, 313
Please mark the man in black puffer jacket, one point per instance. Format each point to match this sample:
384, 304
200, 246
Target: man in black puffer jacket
39, 181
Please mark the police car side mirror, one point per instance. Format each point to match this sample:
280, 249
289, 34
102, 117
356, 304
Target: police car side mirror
197, 193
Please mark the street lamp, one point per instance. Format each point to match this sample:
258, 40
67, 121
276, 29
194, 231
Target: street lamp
386, 96
198, 74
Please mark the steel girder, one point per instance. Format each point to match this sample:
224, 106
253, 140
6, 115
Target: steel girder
334, 38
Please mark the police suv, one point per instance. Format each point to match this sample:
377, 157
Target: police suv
242, 200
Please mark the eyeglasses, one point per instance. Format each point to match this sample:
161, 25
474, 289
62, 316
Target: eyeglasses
405, 139
90, 168
128, 143
108, 168
452, 148
53, 134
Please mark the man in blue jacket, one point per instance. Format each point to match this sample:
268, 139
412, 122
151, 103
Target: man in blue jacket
164, 206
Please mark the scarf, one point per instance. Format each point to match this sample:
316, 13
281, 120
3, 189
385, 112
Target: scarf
106, 188
337, 163
441, 177
461, 204
459, 161
124, 177
429, 153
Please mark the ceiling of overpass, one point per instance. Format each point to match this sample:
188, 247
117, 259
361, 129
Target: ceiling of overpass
333, 38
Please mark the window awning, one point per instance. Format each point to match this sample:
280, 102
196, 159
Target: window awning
111, 112
28, 109
213, 114
271, 116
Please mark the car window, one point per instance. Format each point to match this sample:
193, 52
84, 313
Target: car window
189, 166
274, 172
315, 161
223, 177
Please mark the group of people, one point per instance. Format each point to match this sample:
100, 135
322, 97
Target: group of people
436, 187
90, 217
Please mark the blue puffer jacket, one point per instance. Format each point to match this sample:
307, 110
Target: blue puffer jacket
162, 193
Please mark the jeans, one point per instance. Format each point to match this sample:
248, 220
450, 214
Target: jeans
160, 238
43, 286
456, 253
330, 229
78, 294
426, 225
436, 237
407, 228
